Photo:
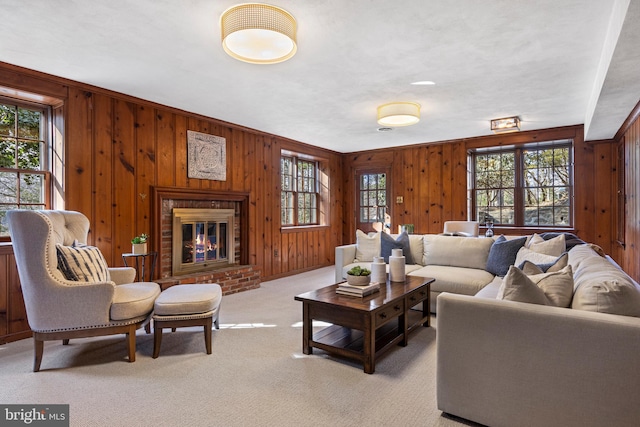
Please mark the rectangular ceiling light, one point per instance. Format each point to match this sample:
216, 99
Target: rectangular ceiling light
507, 124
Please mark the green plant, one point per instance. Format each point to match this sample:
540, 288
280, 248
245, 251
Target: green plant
140, 239
359, 271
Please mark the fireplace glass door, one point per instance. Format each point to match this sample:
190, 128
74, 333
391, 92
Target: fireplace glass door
202, 238
204, 241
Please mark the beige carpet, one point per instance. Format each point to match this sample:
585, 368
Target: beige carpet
256, 376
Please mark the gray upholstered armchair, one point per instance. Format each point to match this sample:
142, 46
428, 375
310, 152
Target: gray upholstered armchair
103, 303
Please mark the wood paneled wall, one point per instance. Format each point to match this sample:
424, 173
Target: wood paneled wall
432, 179
118, 147
629, 254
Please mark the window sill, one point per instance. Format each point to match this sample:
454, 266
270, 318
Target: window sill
301, 228
512, 230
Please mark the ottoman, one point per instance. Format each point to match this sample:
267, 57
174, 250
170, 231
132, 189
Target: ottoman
186, 305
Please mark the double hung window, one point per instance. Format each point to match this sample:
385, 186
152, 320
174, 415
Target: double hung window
24, 158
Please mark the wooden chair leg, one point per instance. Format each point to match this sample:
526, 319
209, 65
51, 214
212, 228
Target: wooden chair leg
131, 343
207, 334
65, 341
38, 347
157, 340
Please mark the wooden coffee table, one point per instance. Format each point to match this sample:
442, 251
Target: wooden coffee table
364, 328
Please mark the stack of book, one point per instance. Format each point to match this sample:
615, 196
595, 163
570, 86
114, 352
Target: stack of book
357, 291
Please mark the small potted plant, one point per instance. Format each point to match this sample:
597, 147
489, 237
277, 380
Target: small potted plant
358, 276
139, 244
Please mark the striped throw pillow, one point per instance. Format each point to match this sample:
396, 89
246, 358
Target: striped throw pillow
82, 263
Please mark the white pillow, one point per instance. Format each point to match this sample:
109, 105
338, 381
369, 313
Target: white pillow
525, 254
82, 264
556, 246
516, 286
557, 286
367, 247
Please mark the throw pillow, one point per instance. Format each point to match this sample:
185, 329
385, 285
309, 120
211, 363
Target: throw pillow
516, 286
525, 254
530, 268
557, 286
387, 243
503, 254
367, 246
555, 246
82, 264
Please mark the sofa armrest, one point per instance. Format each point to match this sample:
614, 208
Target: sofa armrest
345, 255
500, 363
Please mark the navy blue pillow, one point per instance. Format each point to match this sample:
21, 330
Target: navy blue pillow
502, 254
402, 242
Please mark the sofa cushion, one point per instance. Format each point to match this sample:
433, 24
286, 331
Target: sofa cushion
82, 263
468, 252
601, 286
555, 246
367, 246
503, 254
387, 244
517, 286
133, 300
458, 280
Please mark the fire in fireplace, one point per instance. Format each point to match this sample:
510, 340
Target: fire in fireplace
202, 239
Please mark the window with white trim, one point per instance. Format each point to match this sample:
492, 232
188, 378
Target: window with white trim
25, 172
300, 191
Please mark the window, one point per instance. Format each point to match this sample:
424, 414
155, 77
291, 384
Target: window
299, 191
372, 199
24, 161
529, 186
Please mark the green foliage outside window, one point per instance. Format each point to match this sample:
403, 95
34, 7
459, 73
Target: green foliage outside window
22, 168
524, 186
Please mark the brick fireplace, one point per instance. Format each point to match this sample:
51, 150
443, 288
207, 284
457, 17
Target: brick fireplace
236, 277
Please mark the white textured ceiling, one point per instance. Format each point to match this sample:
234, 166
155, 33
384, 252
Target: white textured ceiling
551, 62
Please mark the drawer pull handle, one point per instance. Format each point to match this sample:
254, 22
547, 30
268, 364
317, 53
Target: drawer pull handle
423, 293
412, 298
383, 315
396, 308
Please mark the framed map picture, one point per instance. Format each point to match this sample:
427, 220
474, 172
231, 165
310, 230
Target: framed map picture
207, 156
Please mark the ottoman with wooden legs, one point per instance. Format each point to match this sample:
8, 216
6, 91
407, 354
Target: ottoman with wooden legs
186, 305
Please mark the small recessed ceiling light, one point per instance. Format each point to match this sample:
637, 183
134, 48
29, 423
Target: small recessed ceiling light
423, 83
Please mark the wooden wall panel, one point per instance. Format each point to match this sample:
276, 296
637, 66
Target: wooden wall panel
117, 147
630, 253
103, 164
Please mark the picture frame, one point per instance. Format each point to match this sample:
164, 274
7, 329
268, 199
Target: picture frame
206, 156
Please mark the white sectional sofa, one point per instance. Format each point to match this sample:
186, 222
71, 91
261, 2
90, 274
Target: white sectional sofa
457, 263
503, 360
508, 363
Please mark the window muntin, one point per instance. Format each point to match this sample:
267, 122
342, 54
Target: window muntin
24, 163
529, 186
299, 191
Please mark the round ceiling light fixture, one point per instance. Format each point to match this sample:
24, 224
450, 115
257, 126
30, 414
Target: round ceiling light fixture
258, 33
399, 114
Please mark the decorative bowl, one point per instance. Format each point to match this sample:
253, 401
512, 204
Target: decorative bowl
358, 280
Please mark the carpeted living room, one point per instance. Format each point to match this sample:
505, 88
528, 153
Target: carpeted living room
189, 193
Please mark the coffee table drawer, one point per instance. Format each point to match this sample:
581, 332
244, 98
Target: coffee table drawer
417, 297
389, 313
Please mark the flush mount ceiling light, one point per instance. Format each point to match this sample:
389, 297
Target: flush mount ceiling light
507, 124
258, 33
399, 114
